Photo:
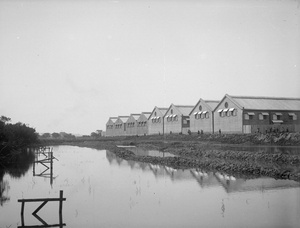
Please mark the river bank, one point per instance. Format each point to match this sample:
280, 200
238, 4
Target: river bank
222, 153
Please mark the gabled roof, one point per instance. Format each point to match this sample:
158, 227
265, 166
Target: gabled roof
183, 109
112, 119
146, 114
210, 104
162, 110
135, 116
123, 118
266, 103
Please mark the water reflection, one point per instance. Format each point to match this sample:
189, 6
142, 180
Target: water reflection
206, 179
103, 190
45, 157
16, 165
144, 152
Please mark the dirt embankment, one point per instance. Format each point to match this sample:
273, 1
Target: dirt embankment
211, 153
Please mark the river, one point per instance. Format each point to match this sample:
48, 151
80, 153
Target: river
103, 190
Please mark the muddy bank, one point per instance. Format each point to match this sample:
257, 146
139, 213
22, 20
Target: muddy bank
205, 155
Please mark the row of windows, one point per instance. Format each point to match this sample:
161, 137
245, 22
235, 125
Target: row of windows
227, 112
201, 115
172, 118
140, 124
130, 124
264, 116
156, 120
118, 126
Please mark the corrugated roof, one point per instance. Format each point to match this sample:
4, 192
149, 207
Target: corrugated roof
267, 103
184, 109
212, 104
163, 110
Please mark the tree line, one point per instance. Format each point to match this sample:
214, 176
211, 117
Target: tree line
15, 136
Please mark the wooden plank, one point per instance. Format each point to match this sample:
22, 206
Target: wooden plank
42, 226
42, 199
39, 208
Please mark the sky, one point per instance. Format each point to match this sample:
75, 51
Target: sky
69, 65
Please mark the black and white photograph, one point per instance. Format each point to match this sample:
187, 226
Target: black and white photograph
150, 113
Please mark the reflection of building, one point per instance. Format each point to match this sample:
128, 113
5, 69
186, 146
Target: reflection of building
206, 179
231, 184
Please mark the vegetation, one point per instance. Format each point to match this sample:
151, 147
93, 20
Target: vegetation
15, 136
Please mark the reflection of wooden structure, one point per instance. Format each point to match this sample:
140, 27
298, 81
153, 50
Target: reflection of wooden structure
47, 162
44, 202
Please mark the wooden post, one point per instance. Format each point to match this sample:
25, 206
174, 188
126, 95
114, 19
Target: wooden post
60, 201
51, 169
22, 208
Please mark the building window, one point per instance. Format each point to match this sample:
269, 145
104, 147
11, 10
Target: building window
154, 113
277, 116
263, 116
200, 108
207, 115
225, 112
195, 114
250, 115
226, 104
246, 116
292, 116
220, 112
232, 112
171, 111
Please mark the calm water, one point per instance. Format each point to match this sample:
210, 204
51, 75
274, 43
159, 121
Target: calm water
105, 191
143, 152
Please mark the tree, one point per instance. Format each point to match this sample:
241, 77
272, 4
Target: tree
96, 134
15, 135
46, 135
55, 135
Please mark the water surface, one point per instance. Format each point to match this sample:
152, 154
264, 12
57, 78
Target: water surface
103, 190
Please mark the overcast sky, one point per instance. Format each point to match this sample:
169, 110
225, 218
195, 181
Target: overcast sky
70, 65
